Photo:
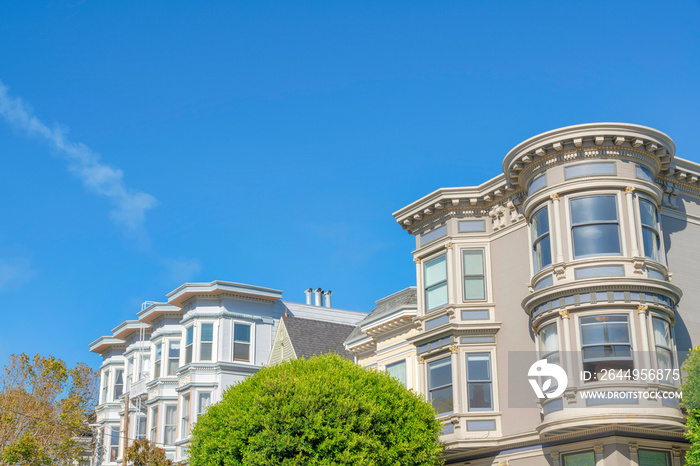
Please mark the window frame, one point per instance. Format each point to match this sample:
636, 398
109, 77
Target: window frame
105, 386
395, 364
153, 430
445, 360
189, 337
665, 452
572, 226
657, 345
185, 415
655, 231
479, 381
176, 359
630, 344
201, 411
590, 452
548, 355
463, 253
157, 359
201, 342
117, 372
170, 429
428, 287
251, 338
536, 240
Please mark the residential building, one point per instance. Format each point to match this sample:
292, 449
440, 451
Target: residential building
160, 372
582, 255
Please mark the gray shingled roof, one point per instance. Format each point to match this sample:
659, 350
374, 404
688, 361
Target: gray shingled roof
311, 337
406, 298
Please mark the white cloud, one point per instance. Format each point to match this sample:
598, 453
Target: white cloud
129, 205
14, 273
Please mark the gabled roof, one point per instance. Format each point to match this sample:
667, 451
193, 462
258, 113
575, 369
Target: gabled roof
311, 337
327, 314
404, 302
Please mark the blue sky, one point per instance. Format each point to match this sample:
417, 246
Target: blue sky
146, 144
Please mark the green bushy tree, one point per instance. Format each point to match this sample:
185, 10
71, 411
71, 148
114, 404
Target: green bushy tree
691, 403
325, 410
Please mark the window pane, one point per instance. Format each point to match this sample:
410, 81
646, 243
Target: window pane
159, 351
204, 402
542, 254
436, 296
189, 336
188, 354
596, 239
606, 352
241, 351
207, 332
648, 213
593, 209
589, 169
663, 358
480, 396
662, 332
473, 262
435, 271
540, 223
651, 244
398, 371
654, 458
440, 373
549, 342
241, 333
205, 352
473, 288
580, 459
607, 332
479, 367
442, 399
536, 184
644, 174
174, 349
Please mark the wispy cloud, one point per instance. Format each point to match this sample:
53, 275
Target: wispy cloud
129, 205
14, 273
182, 270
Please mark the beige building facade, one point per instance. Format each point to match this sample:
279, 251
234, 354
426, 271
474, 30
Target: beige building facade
582, 258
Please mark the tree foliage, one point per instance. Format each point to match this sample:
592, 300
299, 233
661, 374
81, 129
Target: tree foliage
325, 410
691, 403
44, 408
144, 453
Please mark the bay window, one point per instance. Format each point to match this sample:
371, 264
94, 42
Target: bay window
241, 342
206, 337
595, 227
474, 275
440, 385
541, 248
650, 230
189, 342
479, 382
435, 278
605, 341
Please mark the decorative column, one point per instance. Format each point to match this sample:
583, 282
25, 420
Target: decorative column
456, 380
634, 453
631, 221
676, 456
557, 229
556, 458
642, 317
566, 331
599, 460
422, 376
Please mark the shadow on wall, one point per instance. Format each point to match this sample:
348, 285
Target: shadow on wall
670, 227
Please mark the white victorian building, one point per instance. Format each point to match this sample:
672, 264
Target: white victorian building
161, 371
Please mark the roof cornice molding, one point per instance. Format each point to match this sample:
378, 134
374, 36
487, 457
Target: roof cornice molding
181, 294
